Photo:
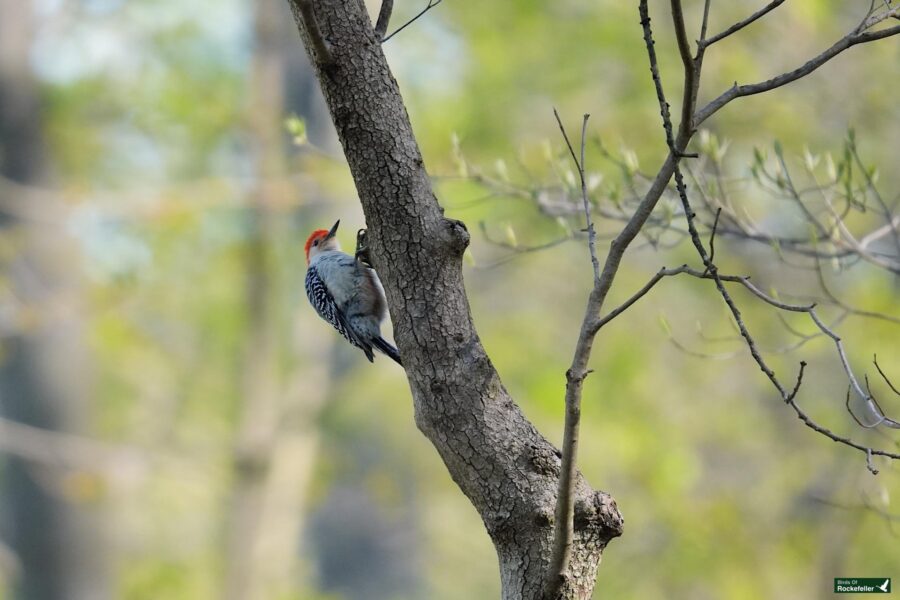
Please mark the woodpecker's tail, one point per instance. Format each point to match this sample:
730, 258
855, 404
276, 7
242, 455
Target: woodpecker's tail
384, 346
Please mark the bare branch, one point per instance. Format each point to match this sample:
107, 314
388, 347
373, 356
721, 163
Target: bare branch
865, 505
691, 69
870, 183
857, 36
882, 420
684, 48
789, 398
384, 18
431, 4
704, 23
657, 81
854, 382
712, 235
711, 271
740, 24
830, 296
885, 377
449, 373
837, 438
634, 298
322, 48
565, 499
795, 196
447, 392
592, 235
516, 250
869, 464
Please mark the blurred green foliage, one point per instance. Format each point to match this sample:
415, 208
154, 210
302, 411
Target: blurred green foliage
724, 493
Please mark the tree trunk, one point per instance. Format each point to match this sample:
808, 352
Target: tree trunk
506, 468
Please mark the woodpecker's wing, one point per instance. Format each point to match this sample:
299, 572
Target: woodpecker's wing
322, 300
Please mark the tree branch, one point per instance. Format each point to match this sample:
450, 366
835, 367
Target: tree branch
857, 36
788, 397
511, 474
704, 23
321, 45
384, 18
431, 4
711, 271
691, 68
564, 512
634, 298
740, 24
506, 468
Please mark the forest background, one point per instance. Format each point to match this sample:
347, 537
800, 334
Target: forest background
163, 163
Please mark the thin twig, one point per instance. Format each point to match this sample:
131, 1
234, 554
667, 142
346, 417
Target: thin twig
883, 376
711, 271
431, 4
740, 24
857, 36
833, 299
809, 309
795, 196
869, 463
865, 505
565, 500
704, 22
885, 210
636, 296
692, 68
712, 235
882, 420
384, 18
592, 236
789, 398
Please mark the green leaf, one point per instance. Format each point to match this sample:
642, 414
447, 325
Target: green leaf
511, 236
759, 156
462, 168
296, 127
502, 171
830, 169
809, 159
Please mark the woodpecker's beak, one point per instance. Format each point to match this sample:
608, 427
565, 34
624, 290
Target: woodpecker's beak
333, 230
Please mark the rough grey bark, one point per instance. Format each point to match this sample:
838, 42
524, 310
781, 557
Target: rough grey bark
506, 468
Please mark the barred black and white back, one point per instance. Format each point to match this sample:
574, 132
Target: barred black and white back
354, 304
322, 300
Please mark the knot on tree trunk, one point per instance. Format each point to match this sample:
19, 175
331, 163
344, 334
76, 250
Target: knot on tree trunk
457, 235
599, 512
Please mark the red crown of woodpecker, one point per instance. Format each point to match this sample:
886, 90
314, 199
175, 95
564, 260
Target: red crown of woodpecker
315, 235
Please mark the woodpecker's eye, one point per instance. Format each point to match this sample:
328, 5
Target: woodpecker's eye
316, 243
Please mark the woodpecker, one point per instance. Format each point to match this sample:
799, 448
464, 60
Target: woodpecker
346, 293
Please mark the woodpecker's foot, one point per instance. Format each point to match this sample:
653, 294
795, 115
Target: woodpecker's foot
362, 249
